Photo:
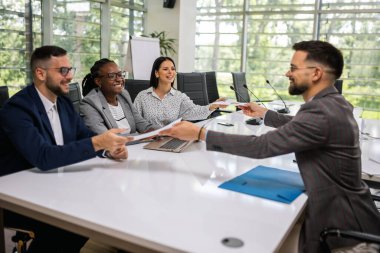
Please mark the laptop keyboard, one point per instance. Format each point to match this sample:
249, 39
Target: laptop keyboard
173, 144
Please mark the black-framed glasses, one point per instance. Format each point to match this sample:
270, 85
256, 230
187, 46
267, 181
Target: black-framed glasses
64, 71
294, 68
114, 75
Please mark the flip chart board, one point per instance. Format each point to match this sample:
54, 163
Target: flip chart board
141, 54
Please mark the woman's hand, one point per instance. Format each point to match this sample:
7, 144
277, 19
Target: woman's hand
216, 105
253, 110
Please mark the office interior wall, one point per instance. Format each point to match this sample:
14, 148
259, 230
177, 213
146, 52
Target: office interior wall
179, 23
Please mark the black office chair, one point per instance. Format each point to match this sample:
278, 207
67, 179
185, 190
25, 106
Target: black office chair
212, 92
372, 242
241, 93
75, 95
193, 85
367, 238
21, 239
339, 85
135, 86
212, 86
4, 95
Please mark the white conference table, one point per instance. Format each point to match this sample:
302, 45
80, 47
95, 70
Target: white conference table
159, 201
370, 146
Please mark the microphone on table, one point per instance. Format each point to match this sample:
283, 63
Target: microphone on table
283, 110
258, 99
253, 121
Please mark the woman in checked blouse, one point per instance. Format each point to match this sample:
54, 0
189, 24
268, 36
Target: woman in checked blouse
161, 103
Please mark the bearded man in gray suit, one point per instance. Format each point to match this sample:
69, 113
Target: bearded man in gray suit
325, 139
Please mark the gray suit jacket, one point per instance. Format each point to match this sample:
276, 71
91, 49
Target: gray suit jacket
97, 116
325, 139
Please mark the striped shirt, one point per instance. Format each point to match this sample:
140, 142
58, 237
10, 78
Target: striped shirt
119, 116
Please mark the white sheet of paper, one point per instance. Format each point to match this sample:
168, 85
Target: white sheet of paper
228, 102
155, 132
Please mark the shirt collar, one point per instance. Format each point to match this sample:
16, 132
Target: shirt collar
46, 102
151, 91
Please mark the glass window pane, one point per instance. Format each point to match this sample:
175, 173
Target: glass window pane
358, 36
273, 26
14, 41
124, 23
76, 28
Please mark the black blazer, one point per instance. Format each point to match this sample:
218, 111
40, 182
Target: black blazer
26, 136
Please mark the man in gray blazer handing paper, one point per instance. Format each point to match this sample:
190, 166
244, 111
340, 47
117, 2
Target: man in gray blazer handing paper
325, 139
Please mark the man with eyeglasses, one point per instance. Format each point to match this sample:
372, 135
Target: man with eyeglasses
325, 139
40, 128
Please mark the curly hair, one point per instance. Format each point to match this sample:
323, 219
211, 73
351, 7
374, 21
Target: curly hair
88, 82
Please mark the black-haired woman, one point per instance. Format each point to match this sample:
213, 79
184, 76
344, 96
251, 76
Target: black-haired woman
162, 104
106, 104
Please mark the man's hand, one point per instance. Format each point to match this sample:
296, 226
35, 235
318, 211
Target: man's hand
119, 154
109, 140
253, 110
185, 131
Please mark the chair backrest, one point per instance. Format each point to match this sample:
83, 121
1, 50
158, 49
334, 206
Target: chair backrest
339, 85
239, 81
4, 95
75, 95
212, 86
193, 85
135, 86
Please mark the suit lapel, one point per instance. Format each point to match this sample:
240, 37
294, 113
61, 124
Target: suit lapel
66, 120
106, 111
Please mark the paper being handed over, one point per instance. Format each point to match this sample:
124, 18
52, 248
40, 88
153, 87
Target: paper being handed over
155, 132
228, 102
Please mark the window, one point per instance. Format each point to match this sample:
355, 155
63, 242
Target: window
125, 22
15, 40
78, 27
259, 36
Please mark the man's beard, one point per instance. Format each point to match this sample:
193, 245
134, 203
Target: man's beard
297, 90
56, 89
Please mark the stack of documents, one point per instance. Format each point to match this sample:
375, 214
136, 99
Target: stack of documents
270, 183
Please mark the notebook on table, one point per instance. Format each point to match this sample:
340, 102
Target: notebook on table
168, 144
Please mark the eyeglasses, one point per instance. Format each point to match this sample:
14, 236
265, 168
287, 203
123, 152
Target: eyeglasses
113, 76
64, 71
294, 68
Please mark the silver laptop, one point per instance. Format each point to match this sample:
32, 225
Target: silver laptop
168, 144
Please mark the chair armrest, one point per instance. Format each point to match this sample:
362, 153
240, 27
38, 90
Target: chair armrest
375, 197
349, 234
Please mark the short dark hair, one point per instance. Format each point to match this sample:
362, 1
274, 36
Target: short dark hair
324, 53
44, 53
88, 82
156, 66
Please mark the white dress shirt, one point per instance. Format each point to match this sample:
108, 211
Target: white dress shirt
52, 113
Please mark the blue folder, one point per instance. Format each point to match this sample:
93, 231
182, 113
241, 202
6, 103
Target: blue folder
270, 183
